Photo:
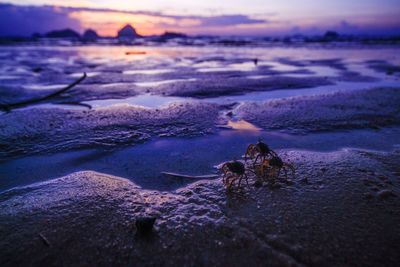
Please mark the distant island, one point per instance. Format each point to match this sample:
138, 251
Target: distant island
129, 35
126, 34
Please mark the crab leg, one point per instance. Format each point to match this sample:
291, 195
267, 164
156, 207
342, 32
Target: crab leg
231, 184
246, 179
240, 180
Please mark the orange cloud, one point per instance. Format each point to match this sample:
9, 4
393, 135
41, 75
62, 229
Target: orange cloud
108, 23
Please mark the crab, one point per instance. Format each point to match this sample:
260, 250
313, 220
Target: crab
234, 171
271, 168
259, 151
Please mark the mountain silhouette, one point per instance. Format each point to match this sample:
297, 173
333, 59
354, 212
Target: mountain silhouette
128, 32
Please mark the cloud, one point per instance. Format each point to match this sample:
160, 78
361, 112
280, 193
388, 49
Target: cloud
352, 26
229, 20
26, 20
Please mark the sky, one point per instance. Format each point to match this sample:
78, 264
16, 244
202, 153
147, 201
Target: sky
202, 17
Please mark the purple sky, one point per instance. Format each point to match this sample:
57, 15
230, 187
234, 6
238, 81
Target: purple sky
216, 17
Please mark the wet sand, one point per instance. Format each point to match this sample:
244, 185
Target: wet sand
35, 131
374, 109
342, 209
52, 130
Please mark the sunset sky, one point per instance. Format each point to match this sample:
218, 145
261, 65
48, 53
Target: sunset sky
215, 17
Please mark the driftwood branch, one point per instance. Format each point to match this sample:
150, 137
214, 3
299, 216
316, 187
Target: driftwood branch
190, 177
44, 239
73, 103
9, 107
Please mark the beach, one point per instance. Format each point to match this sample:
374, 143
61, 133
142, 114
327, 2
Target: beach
78, 169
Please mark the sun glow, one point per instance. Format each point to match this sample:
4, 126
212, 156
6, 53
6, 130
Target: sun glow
108, 23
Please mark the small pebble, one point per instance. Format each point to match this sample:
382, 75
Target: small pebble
304, 180
275, 186
144, 225
258, 183
368, 195
384, 194
383, 178
289, 182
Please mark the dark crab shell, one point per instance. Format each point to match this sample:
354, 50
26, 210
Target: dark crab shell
236, 167
276, 162
263, 148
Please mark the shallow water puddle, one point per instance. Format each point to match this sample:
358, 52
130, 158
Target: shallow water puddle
46, 87
9, 77
319, 90
108, 85
89, 74
143, 164
148, 72
322, 71
157, 83
216, 69
145, 100
55, 105
242, 125
245, 66
278, 66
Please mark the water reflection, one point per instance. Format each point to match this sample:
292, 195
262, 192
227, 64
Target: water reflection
149, 72
242, 125
145, 100
157, 83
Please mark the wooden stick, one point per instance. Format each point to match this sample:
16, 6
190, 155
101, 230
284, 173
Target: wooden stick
177, 175
9, 107
73, 103
44, 239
